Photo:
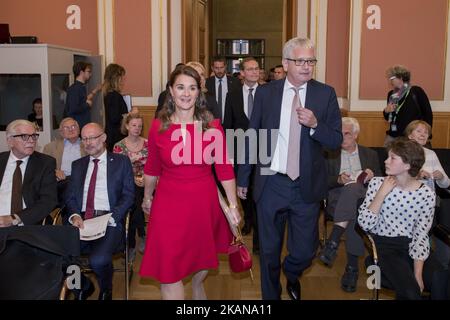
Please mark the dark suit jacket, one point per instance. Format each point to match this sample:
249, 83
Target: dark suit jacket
39, 186
367, 156
76, 105
233, 84
115, 107
321, 99
120, 185
235, 117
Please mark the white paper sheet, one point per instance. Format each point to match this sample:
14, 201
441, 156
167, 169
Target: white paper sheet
94, 228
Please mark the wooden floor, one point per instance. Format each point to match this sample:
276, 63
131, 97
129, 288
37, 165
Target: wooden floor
318, 282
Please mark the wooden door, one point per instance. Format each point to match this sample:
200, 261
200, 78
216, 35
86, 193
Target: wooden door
196, 31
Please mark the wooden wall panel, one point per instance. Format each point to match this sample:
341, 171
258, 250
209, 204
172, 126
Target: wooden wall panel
148, 113
373, 129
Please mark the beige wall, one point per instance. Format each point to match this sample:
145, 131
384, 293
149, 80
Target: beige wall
250, 19
46, 19
413, 33
132, 44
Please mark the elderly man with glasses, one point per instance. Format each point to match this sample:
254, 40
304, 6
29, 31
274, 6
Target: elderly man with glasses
28, 184
65, 150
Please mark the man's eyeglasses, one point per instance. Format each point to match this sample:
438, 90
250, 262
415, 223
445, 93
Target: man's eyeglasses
26, 137
90, 139
301, 62
67, 128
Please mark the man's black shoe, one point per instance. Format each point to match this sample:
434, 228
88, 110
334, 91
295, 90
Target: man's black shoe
349, 279
294, 289
246, 229
105, 295
329, 253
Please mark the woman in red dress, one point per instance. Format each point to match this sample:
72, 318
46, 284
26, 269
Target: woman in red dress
187, 228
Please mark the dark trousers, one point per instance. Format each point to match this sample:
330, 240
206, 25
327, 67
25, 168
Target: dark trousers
397, 267
342, 205
249, 207
281, 203
100, 253
137, 221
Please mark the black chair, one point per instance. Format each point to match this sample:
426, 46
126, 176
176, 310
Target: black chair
33, 260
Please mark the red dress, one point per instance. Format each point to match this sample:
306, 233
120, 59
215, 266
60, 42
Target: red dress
187, 228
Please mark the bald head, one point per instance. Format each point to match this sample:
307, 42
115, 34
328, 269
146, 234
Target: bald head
93, 138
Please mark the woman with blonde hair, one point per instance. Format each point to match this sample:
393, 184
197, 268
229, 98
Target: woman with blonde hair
135, 147
432, 170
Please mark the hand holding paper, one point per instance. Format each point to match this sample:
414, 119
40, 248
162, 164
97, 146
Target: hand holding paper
95, 228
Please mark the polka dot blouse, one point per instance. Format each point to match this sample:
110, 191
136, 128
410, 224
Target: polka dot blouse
403, 213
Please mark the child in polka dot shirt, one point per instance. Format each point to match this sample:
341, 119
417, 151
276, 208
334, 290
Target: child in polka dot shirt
398, 211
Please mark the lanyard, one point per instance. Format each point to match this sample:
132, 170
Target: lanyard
399, 107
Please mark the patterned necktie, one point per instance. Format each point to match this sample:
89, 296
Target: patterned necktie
16, 191
91, 192
293, 159
250, 101
219, 99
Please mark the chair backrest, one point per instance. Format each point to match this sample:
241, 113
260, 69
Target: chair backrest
382, 155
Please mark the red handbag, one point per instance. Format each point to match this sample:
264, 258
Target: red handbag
239, 257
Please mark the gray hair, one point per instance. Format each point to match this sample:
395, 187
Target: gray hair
11, 128
294, 43
353, 122
68, 119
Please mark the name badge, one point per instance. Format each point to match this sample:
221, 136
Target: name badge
393, 127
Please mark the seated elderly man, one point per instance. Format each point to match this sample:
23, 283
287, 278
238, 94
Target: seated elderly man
349, 171
28, 184
65, 150
101, 183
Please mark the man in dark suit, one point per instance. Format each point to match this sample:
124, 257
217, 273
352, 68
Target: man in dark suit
30, 199
238, 109
349, 171
291, 180
219, 85
101, 183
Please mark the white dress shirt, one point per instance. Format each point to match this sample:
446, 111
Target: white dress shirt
245, 93
224, 92
279, 160
432, 164
70, 154
6, 184
101, 200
